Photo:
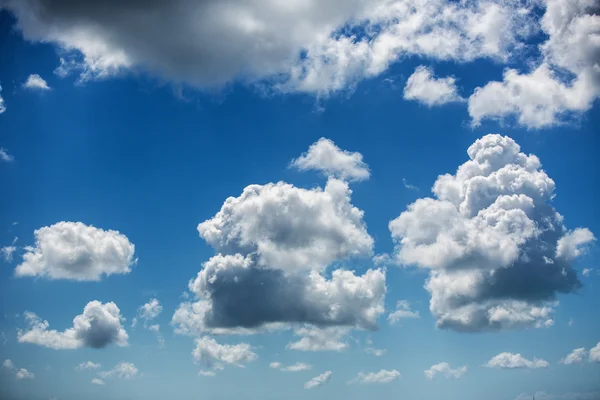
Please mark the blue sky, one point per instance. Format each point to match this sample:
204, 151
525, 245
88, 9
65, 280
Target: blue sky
114, 151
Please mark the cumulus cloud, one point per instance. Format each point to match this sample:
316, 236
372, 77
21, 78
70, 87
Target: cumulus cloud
402, 311
303, 47
543, 97
512, 360
577, 356
595, 353
572, 244
73, 250
147, 313
2, 109
36, 82
290, 368
216, 356
274, 245
318, 380
123, 370
319, 339
97, 381
375, 352
489, 239
98, 327
4, 155
383, 376
424, 87
445, 369
326, 157
20, 373
87, 365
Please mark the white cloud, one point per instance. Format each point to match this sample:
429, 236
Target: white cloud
375, 352
512, 360
572, 244
123, 370
586, 271
319, 339
445, 369
4, 156
36, 82
486, 239
326, 157
299, 366
87, 365
577, 356
98, 327
216, 356
402, 311
8, 364
318, 380
7, 253
408, 185
542, 98
2, 109
276, 241
424, 87
207, 373
595, 353
150, 310
97, 381
22, 373
290, 46
73, 250
383, 376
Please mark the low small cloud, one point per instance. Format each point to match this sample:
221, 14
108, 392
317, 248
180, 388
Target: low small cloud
402, 311
446, 370
511, 360
319, 380
97, 381
299, 366
408, 185
5, 156
383, 376
36, 82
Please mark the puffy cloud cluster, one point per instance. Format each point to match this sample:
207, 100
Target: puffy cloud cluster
36, 82
307, 46
98, 327
542, 97
512, 360
123, 370
383, 376
290, 368
319, 380
147, 313
325, 156
20, 373
274, 244
73, 250
578, 356
497, 251
445, 369
424, 87
216, 356
402, 311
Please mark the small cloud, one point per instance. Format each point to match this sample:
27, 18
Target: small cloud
318, 380
7, 253
97, 381
408, 185
207, 373
577, 356
36, 82
375, 352
402, 311
586, 271
87, 365
383, 376
4, 156
290, 368
24, 374
444, 368
510, 361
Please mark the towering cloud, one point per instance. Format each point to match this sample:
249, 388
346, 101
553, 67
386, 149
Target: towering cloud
496, 249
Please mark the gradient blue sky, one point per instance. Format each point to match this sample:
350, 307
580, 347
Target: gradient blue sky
152, 155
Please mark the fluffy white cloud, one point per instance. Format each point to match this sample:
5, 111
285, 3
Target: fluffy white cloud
274, 244
290, 368
2, 109
402, 311
4, 155
325, 156
512, 360
572, 244
98, 327
595, 353
424, 87
8, 364
22, 373
216, 356
36, 82
292, 46
150, 310
319, 339
490, 239
123, 370
87, 365
383, 376
445, 369
586, 271
375, 352
318, 380
577, 356
542, 98
7, 253
97, 381
73, 250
